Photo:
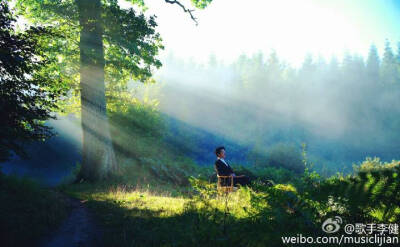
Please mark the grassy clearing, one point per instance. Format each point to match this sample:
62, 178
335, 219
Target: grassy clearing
154, 212
259, 215
195, 216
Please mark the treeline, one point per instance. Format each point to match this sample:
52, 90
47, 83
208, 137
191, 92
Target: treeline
344, 110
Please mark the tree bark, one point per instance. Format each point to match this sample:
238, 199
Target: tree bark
98, 158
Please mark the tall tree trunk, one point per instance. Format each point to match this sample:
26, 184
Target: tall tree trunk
98, 153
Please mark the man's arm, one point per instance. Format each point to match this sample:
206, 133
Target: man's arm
231, 171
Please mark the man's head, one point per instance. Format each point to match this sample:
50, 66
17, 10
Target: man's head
220, 152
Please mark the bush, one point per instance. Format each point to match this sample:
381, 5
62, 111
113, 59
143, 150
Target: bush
278, 175
280, 155
375, 164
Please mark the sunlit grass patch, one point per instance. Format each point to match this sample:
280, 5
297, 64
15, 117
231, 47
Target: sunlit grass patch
129, 214
162, 205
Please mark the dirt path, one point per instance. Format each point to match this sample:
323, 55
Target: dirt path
78, 229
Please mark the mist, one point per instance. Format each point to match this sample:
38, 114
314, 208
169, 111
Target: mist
343, 110
52, 161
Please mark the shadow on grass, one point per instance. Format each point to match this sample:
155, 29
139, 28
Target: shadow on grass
28, 211
125, 226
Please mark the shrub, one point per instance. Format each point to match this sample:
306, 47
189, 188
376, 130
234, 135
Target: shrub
375, 164
280, 155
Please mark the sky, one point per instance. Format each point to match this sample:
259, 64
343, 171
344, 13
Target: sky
292, 28
229, 28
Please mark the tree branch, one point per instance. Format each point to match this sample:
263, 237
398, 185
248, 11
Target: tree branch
184, 9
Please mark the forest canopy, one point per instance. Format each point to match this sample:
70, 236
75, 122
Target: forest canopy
28, 93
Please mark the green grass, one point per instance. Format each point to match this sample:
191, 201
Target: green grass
165, 214
27, 211
146, 218
134, 211
195, 215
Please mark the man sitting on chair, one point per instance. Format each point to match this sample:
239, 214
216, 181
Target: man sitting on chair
224, 169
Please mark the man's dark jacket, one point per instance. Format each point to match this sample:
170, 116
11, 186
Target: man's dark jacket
222, 169
226, 170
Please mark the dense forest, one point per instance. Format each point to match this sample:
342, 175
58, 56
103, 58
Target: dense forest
344, 111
